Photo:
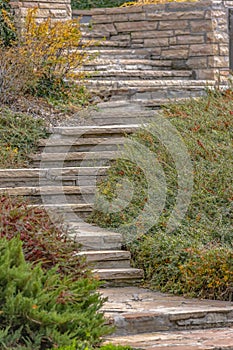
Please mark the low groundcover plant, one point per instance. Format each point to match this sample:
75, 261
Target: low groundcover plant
196, 258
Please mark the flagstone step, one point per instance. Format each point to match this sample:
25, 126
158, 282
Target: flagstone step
94, 239
143, 92
58, 176
203, 339
116, 75
140, 83
66, 211
94, 130
81, 144
105, 259
104, 64
136, 310
119, 276
72, 159
53, 194
104, 52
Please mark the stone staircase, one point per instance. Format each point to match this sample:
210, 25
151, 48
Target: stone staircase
138, 75
63, 180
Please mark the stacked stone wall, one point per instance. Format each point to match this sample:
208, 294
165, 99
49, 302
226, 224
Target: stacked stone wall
193, 35
57, 9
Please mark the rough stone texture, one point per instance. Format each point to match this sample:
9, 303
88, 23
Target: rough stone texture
138, 311
56, 9
194, 32
211, 339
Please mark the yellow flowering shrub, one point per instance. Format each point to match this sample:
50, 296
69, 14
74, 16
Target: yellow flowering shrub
44, 60
55, 50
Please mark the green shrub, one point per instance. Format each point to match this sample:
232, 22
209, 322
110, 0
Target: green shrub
41, 310
208, 272
205, 126
19, 134
88, 4
7, 29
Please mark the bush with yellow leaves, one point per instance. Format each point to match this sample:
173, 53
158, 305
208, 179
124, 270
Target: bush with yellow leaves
44, 60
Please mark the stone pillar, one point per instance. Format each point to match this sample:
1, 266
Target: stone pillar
219, 38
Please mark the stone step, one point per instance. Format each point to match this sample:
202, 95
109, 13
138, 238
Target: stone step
136, 310
93, 238
119, 276
152, 91
113, 74
203, 339
58, 176
53, 194
65, 212
105, 259
95, 130
73, 159
103, 64
106, 52
80, 144
148, 84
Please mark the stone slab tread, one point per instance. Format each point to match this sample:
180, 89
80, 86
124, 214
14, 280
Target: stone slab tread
47, 190
203, 339
121, 274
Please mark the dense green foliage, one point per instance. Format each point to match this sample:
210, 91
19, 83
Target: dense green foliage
196, 258
42, 240
88, 4
7, 29
42, 310
19, 134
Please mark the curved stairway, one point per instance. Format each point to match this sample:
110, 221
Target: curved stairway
63, 183
63, 180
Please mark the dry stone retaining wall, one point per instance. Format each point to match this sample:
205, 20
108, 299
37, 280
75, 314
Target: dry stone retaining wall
193, 35
57, 9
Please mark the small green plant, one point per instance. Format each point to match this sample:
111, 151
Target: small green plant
19, 134
42, 310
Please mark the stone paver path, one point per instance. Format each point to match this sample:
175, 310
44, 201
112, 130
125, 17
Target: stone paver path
151, 320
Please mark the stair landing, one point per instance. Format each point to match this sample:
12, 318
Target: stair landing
148, 320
